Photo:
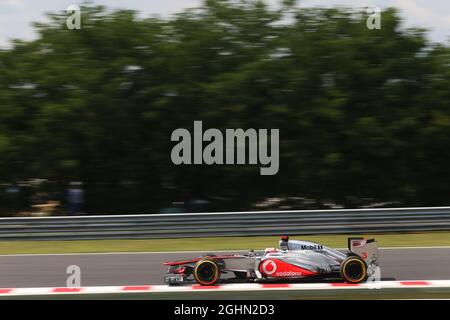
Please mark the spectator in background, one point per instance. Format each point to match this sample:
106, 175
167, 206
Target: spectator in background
75, 198
13, 194
196, 203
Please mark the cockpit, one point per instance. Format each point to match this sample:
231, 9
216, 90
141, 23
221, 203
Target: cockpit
284, 243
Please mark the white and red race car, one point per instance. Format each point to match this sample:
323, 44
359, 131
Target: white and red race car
293, 260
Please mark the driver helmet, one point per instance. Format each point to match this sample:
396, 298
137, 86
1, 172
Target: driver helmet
284, 243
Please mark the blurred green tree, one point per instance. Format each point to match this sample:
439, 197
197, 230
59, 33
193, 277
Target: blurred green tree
362, 113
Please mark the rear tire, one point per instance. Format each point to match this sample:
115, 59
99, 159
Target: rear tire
353, 270
207, 272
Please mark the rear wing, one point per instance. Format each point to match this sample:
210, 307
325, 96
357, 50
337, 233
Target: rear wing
367, 249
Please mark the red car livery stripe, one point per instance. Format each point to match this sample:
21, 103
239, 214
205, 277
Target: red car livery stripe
177, 263
281, 269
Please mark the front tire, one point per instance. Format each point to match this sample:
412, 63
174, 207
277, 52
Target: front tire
207, 272
353, 270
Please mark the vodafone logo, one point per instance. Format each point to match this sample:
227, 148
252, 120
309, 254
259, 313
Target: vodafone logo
275, 268
288, 274
269, 267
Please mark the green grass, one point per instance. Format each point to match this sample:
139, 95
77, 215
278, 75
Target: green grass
210, 244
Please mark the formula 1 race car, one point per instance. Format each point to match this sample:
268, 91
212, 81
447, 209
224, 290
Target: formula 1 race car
293, 260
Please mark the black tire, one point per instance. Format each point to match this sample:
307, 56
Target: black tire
353, 270
207, 272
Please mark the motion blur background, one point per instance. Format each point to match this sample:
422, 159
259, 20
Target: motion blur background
364, 115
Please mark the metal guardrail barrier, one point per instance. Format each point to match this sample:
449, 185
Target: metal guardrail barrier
180, 225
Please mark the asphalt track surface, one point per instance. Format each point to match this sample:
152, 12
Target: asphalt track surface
121, 269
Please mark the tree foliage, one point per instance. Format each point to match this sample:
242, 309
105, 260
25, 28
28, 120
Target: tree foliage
362, 113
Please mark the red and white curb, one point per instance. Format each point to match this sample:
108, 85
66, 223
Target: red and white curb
226, 287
